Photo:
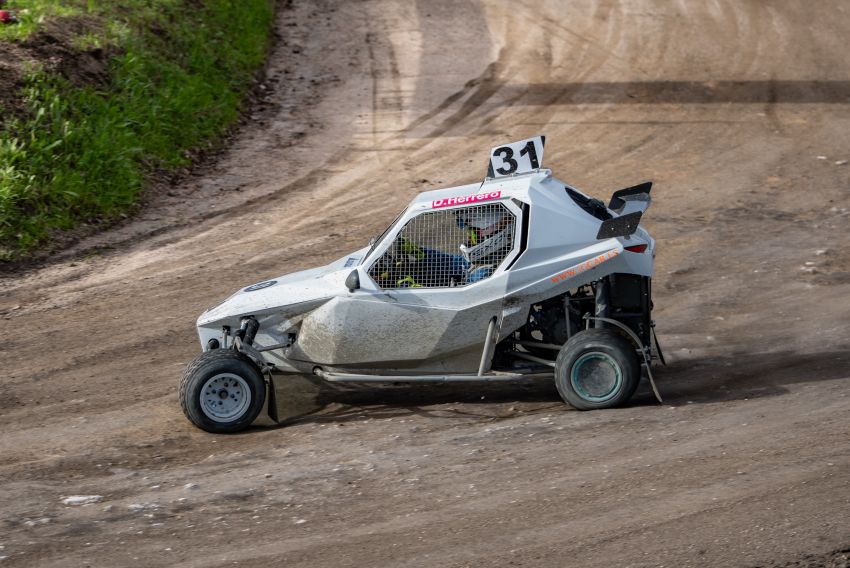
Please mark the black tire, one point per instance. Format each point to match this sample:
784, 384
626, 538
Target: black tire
597, 368
218, 409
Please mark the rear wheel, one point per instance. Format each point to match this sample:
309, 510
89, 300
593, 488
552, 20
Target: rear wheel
222, 391
597, 368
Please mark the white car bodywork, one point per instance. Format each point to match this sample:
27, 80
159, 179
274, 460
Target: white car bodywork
312, 319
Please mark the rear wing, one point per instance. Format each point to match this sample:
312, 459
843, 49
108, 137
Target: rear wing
629, 205
631, 199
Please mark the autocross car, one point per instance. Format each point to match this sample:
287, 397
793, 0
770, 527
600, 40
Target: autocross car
520, 276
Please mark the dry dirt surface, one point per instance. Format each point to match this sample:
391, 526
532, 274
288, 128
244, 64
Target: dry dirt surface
740, 113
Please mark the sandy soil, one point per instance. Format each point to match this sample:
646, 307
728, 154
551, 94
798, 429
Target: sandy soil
739, 113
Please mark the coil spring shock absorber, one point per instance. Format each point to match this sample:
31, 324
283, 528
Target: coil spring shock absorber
248, 329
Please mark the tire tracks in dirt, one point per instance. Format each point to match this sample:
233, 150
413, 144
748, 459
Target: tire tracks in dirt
745, 465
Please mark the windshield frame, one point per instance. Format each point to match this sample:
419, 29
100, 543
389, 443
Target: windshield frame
383, 244
380, 237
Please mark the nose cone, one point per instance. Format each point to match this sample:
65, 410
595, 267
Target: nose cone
285, 294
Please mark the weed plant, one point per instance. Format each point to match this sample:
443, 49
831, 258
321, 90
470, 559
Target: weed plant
176, 83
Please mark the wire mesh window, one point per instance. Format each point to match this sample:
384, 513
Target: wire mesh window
449, 247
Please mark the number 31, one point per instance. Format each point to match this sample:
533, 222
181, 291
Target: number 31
509, 165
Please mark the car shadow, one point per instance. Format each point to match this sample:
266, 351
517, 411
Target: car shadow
703, 380
742, 376
312, 400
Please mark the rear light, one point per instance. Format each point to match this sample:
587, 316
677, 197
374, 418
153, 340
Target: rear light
637, 248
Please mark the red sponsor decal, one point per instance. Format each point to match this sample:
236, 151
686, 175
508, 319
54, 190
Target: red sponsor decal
464, 199
583, 266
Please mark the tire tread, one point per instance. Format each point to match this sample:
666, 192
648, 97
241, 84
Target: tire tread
608, 339
210, 358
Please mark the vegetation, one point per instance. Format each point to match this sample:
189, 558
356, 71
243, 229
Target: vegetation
176, 77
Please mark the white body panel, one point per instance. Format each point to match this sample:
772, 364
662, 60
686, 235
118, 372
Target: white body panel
439, 329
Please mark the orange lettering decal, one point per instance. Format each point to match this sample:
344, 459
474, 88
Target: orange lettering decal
584, 266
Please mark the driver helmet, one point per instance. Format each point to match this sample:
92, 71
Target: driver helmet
486, 232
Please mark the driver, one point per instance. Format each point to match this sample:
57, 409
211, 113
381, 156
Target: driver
415, 266
487, 241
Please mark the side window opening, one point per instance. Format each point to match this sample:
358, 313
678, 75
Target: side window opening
590, 205
448, 247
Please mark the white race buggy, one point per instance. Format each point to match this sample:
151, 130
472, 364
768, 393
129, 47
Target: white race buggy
517, 277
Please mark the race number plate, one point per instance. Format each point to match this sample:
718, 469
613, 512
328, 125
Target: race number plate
516, 158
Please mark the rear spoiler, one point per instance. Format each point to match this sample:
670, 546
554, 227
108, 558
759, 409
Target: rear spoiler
629, 205
631, 199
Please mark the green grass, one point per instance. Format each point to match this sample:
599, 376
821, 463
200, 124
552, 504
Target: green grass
83, 153
32, 14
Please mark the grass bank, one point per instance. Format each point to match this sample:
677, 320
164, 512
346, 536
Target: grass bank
76, 149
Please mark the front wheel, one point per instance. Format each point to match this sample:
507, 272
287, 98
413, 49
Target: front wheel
222, 391
597, 368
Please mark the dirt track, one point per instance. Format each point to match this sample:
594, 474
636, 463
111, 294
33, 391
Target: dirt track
727, 106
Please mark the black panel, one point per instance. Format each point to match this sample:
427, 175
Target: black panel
617, 203
626, 292
590, 205
630, 302
523, 234
622, 226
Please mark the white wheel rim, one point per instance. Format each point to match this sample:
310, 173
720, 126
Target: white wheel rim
225, 397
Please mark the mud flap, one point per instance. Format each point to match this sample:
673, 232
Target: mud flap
658, 347
271, 399
647, 361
